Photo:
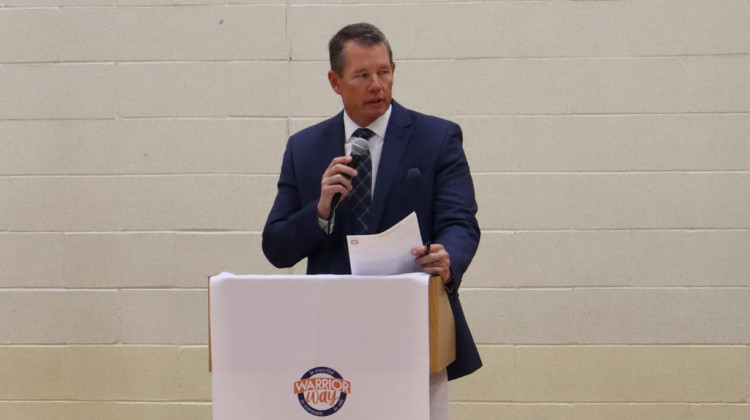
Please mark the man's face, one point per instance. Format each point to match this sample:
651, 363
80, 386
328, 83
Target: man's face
365, 83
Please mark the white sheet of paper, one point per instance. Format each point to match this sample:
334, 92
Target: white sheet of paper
386, 253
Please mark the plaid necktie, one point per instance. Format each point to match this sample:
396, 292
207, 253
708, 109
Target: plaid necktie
361, 194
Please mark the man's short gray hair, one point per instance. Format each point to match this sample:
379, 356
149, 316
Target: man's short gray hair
361, 33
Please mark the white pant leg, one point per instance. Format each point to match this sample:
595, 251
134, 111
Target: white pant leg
439, 396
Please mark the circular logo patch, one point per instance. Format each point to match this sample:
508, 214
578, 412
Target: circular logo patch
322, 391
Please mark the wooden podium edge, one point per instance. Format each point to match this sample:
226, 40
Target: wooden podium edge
442, 327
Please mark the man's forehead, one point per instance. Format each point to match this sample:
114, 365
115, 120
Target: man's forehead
365, 55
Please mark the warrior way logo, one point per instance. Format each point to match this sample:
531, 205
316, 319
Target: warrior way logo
322, 391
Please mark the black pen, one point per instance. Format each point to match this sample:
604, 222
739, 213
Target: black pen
427, 248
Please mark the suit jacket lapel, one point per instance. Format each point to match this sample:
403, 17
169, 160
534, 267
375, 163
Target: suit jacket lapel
397, 137
332, 144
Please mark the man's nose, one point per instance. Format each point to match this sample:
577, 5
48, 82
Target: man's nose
375, 83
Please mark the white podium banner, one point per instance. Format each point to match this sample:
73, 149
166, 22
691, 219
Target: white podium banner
301, 347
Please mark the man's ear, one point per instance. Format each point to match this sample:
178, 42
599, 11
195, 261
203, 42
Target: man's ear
335, 80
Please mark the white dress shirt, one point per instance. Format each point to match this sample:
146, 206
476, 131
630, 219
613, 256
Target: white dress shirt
376, 141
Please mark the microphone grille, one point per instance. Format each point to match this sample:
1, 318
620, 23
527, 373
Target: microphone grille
360, 146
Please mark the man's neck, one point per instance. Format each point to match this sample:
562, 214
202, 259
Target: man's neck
378, 126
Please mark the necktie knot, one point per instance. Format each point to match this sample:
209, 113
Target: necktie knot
365, 133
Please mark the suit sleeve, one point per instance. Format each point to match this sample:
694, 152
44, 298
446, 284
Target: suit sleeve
292, 230
454, 205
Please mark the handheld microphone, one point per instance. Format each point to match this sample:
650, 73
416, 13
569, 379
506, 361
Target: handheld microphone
359, 149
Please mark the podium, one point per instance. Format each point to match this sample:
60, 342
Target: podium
352, 347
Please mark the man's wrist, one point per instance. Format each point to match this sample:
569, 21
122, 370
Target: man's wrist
326, 225
450, 284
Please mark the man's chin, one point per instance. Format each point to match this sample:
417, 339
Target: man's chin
378, 107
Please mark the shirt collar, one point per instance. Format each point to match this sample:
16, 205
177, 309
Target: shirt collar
378, 126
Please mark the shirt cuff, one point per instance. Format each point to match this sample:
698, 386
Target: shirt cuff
450, 285
326, 225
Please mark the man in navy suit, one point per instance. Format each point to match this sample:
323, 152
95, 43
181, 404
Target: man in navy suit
418, 165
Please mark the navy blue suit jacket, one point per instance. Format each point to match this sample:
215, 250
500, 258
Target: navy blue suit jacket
422, 169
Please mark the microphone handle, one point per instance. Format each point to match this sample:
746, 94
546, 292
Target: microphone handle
337, 197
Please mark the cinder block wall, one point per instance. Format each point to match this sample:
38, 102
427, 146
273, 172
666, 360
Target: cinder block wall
609, 141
